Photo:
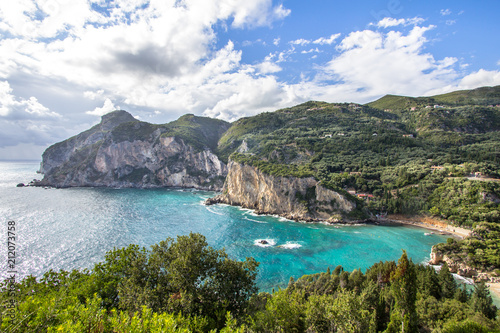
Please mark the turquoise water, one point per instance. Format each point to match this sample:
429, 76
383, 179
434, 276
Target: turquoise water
73, 228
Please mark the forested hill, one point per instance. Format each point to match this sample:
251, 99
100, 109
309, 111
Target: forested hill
400, 152
479, 96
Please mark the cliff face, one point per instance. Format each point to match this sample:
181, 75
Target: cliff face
124, 152
294, 198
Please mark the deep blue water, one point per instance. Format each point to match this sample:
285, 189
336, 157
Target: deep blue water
73, 228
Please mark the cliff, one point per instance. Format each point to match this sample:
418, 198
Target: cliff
295, 198
121, 151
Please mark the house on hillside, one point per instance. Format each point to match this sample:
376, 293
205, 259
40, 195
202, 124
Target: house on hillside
408, 136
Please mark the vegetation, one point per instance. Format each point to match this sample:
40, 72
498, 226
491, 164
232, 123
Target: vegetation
481, 250
410, 156
185, 286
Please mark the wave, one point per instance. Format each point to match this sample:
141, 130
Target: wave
246, 218
268, 242
211, 210
290, 245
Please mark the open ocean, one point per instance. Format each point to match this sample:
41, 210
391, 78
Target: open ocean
73, 228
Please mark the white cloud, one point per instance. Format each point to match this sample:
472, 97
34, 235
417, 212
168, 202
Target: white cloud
450, 22
445, 12
371, 64
93, 94
390, 22
106, 108
387, 22
480, 78
13, 107
268, 67
164, 59
328, 41
300, 41
310, 51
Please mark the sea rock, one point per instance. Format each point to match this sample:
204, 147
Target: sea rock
20, 185
123, 152
300, 199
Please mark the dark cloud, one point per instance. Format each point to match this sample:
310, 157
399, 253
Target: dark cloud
147, 60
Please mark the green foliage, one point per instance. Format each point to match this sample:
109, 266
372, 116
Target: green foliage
199, 132
481, 250
466, 201
181, 284
178, 286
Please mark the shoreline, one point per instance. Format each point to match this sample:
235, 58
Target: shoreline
494, 289
429, 224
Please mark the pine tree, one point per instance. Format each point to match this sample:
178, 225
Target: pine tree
482, 302
448, 284
404, 288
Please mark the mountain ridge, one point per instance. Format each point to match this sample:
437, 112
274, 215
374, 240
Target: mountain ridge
358, 151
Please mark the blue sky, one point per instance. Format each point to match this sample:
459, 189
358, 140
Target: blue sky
64, 63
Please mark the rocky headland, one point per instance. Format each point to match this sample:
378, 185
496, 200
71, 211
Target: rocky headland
299, 199
121, 151
461, 268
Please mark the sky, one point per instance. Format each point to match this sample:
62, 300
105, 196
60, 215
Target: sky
65, 63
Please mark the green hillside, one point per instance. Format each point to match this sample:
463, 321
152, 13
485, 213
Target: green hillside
479, 96
401, 157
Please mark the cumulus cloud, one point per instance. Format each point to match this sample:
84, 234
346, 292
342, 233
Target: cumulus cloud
13, 107
106, 108
161, 59
480, 78
372, 63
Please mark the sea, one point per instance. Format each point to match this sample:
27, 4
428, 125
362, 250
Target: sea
73, 228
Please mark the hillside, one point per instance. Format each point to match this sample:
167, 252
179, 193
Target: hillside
396, 160
480, 96
390, 160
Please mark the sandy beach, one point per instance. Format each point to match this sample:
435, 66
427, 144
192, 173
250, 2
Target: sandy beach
429, 223
495, 292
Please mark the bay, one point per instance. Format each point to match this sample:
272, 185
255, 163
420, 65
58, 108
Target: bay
74, 228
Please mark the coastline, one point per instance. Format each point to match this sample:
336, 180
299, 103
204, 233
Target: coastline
456, 232
427, 223
495, 292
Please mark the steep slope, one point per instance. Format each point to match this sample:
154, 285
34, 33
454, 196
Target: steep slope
123, 152
296, 198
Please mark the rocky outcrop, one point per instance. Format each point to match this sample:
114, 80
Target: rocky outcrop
461, 268
123, 152
303, 199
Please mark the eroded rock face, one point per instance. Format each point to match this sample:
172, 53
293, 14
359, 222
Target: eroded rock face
123, 152
302, 199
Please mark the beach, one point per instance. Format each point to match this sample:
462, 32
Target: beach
429, 223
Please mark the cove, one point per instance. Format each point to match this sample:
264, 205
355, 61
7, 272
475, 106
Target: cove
73, 228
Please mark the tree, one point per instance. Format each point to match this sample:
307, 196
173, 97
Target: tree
448, 284
482, 302
404, 287
182, 276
